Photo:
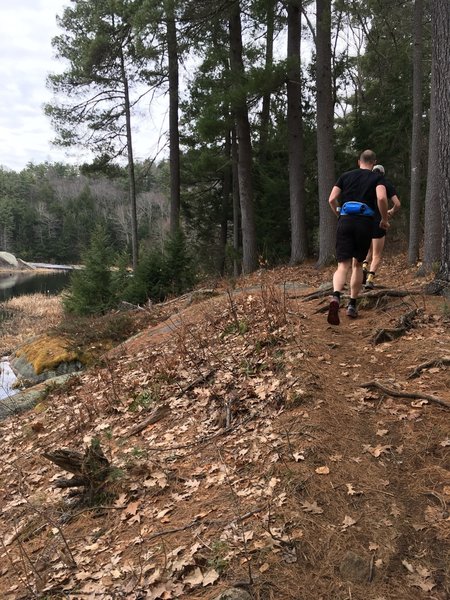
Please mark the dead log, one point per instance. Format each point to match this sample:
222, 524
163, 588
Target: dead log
91, 471
437, 362
405, 323
376, 385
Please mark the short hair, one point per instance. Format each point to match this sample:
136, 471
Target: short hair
368, 157
379, 168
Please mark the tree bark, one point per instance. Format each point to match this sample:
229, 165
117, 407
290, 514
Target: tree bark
416, 139
236, 205
325, 121
295, 136
240, 110
433, 221
174, 135
265, 110
440, 18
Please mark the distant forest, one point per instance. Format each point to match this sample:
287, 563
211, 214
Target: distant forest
49, 211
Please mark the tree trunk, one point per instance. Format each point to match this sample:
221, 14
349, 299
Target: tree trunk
226, 195
237, 267
433, 221
240, 110
265, 110
416, 140
295, 137
130, 168
174, 135
440, 18
325, 121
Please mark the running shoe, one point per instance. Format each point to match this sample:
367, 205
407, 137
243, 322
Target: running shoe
333, 312
352, 311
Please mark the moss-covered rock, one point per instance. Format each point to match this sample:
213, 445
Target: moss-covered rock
44, 357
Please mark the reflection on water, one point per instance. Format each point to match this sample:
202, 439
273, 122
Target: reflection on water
18, 284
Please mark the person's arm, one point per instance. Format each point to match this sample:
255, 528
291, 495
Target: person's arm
382, 206
397, 205
333, 199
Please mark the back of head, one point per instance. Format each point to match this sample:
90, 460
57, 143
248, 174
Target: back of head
368, 158
379, 169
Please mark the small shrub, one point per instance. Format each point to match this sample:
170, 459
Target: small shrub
90, 290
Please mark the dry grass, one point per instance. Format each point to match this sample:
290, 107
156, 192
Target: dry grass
27, 316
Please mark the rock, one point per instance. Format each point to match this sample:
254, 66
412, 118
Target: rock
234, 594
355, 568
45, 357
22, 401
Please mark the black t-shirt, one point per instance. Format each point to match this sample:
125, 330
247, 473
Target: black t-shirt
360, 185
390, 189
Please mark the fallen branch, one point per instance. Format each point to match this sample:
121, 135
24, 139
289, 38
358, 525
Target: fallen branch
437, 362
207, 522
400, 394
156, 415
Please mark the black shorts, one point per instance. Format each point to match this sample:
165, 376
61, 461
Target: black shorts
377, 232
353, 237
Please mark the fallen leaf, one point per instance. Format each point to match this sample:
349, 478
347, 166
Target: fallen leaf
351, 490
263, 568
381, 432
424, 584
322, 470
312, 507
210, 577
194, 578
408, 566
347, 522
298, 456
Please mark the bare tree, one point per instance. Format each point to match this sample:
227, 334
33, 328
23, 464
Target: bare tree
240, 111
325, 121
440, 18
295, 136
416, 138
433, 221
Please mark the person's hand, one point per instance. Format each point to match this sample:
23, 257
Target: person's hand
384, 224
391, 212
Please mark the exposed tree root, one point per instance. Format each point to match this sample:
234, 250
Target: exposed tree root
437, 362
405, 323
376, 385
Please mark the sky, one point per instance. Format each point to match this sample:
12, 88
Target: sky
26, 59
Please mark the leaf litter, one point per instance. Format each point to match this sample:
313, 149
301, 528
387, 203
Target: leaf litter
235, 482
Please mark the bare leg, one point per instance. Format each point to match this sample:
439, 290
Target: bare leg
377, 251
340, 275
356, 279
339, 279
369, 254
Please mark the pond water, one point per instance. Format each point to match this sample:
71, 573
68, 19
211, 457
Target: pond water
19, 284
7, 379
28, 282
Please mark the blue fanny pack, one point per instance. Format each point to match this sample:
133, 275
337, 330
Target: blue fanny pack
357, 208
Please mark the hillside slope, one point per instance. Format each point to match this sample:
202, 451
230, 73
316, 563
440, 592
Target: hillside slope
245, 450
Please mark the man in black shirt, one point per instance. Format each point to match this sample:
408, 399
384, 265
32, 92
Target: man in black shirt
361, 192
378, 234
